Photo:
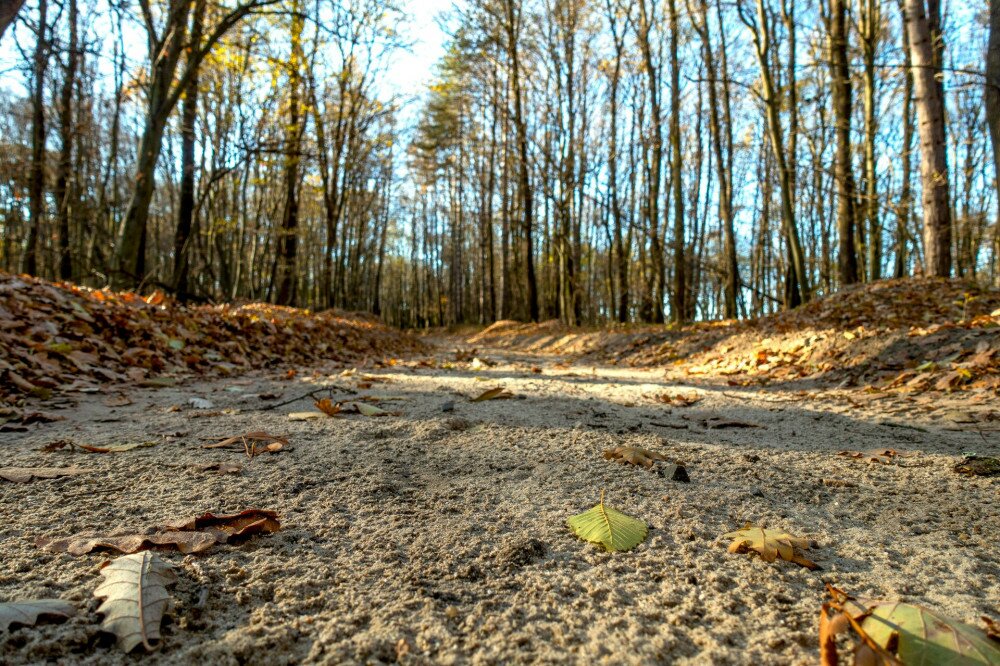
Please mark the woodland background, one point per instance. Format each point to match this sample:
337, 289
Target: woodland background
588, 160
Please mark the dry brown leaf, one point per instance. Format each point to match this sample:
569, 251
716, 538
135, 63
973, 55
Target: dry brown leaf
253, 443
328, 407
633, 455
498, 393
135, 598
770, 544
882, 456
26, 474
120, 400
188, 535
81, 544
27, 612
678, 399
230, 526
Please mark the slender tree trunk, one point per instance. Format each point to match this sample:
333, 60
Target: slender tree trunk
840, 84
923, 21
64, 191
904, 212
680, 305
36, 178
658, 276
287, 276
185, 215
992, 90
524, 178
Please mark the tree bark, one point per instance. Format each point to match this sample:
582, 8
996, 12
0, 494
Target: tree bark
840, 84
8, 12
923, 27
36, 177
992, 90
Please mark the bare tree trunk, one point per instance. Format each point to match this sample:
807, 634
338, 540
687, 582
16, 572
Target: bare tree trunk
658, 277
840, 84
36, 178
904, 210
185, 214
992, 91
923, 19
680, 305
64, 192
286, 279
524, 178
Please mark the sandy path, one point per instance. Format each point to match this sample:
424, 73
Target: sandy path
440, 537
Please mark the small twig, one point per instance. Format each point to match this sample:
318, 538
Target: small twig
311, 394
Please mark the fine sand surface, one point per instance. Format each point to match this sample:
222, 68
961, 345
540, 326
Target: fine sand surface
439, 537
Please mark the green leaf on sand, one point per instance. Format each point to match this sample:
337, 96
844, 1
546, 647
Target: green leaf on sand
612, 529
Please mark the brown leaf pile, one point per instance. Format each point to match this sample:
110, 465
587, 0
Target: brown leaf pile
913, 335
57, 336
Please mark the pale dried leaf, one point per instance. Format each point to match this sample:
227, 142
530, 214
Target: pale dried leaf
135, 598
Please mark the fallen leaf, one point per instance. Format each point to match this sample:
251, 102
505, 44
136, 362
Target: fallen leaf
608, 527
252, 443
678, 399
81, 544
120, 400
230, 526
896, 633
771, 544
633, 455
135, 598
973, 466
370, 410
328, 407
28, 612
498, 393
882, 456
306, 416
26, 474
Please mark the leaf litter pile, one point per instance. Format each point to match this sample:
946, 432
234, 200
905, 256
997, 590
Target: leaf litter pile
451, 533
912, 335
57, 337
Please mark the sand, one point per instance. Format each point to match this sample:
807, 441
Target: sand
439, 537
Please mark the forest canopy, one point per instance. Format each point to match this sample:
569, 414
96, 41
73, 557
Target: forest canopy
588, 160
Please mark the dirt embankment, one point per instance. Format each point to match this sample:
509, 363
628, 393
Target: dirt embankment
913, 334
57, 336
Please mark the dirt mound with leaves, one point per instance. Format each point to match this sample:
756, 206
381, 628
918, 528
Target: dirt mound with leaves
57, 336
910, 334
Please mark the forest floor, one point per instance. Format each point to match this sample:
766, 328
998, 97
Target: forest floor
437, 533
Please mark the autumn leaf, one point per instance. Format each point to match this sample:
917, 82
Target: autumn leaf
253, 443
328, 407
81, 544
897, 633
188, 535
498, 393
608, 527
881, 456
135, 598
28, 612
306, 416
26, 474
227, 527
771, 544
678, 399
370, 410
970, 466
633, 455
